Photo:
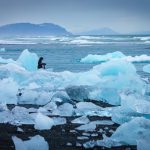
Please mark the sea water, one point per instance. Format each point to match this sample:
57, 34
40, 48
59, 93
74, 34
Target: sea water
65, 53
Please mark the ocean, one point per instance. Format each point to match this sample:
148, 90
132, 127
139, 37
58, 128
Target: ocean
65, 52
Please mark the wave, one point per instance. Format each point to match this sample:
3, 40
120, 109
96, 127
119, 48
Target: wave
78, 40
142, 38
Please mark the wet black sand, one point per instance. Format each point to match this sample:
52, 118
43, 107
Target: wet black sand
60, 137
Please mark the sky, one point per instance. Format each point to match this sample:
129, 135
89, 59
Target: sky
123, 16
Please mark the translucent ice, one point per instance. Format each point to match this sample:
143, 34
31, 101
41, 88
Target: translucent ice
114, 56
102, 58
21, 116
130, 133
5, 61
65, 109
8, 91
28, 60
35, 143
81, 120
59, 120
87, 108
43, 122
91, 126
18, 115
132, 105
146, 68
79, 93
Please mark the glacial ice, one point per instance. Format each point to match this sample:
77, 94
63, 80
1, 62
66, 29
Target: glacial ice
131, 106
102, 58
35, 143
116, 77
91, 126
28, 60
4, 61
59, 120
129, 133
146, 68
65, 109
17, 116
114, 56
43, 122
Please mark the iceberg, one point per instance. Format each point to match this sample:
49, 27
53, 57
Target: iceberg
116, 77
43, 122
114, 56
28, 60
130, 133
146, 68
65, 109
17, 116
81, 120
87, 108
131, 106
91, 126
102, 58
8, 91
103, 82
5, 61
35, 143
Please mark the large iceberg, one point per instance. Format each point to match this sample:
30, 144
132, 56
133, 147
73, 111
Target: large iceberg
43, 122
28, 60
114, 56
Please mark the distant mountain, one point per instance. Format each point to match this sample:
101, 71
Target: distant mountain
102, 31
28, 29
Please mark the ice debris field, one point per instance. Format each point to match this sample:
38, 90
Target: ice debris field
64, 94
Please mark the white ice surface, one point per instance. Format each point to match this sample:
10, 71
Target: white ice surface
43, 122
35, 143
114, 56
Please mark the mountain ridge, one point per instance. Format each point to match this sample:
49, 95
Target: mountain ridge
30, 29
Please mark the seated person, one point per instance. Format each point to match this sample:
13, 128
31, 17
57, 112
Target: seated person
41, 64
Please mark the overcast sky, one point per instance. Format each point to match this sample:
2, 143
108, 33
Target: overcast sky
80, 15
